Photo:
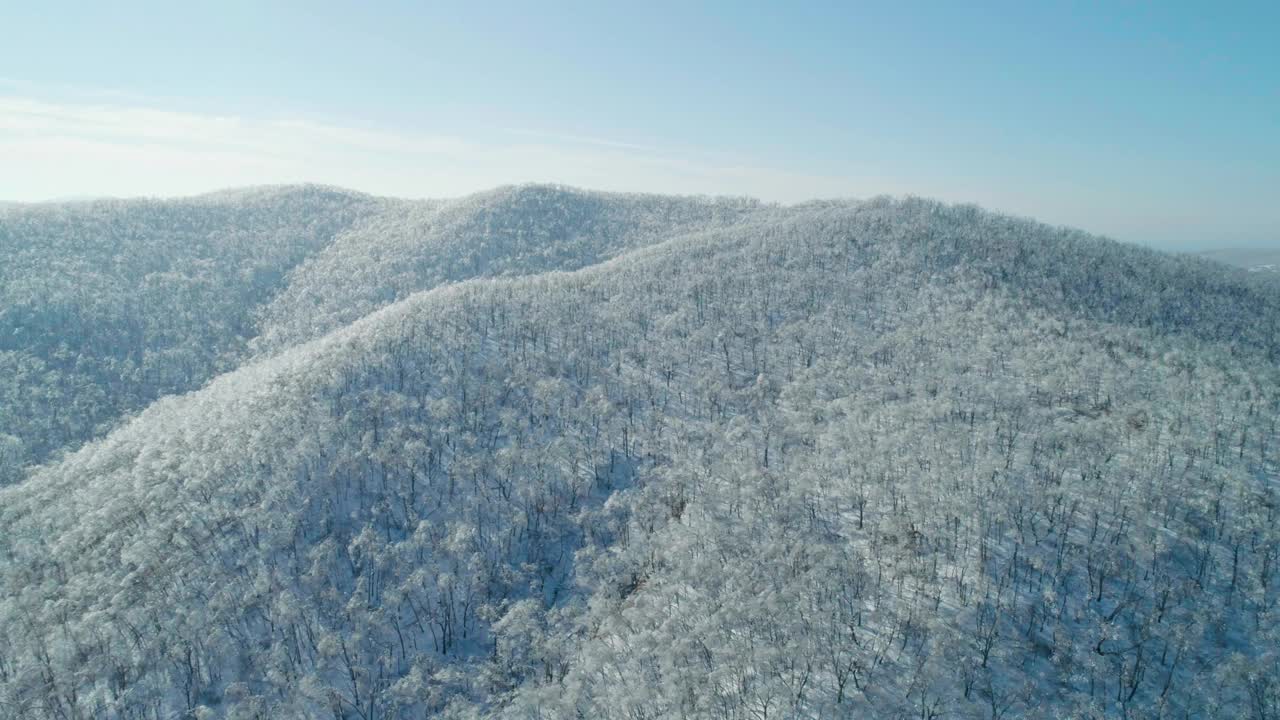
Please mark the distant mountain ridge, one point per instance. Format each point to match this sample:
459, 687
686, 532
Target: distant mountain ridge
1252, 259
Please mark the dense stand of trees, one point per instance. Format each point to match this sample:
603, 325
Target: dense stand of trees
108, 305
890, 459
505, 232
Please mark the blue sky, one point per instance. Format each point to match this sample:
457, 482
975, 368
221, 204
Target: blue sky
1156, 123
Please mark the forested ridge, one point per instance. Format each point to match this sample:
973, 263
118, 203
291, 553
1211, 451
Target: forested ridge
107, 305
545, 453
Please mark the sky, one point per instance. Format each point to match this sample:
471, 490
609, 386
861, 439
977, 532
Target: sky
1156, 123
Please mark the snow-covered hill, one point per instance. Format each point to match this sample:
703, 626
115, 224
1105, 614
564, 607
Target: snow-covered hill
882, 459
510, 231
108, 305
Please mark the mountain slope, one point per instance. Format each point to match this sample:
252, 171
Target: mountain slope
876, 459
109, 304
518, 230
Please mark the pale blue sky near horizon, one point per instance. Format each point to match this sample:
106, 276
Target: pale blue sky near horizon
1156, 123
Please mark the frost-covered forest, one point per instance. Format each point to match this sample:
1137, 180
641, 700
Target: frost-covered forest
547, 453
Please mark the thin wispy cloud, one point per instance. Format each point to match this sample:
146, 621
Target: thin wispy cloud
55, 148
581, 139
